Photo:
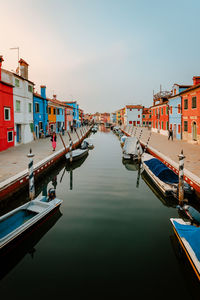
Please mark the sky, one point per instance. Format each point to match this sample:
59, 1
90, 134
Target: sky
103, 53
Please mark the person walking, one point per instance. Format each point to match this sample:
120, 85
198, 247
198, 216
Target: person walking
170, 134
72, 128
53, 140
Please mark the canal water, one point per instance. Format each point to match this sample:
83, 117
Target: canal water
111, 237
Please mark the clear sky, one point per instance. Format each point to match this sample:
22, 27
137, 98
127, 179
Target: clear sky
103, 53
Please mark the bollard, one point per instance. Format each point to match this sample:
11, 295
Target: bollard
132, 130
145, 148
181, 179
31, 176
70, 149
135, 131
138, 150
140, 134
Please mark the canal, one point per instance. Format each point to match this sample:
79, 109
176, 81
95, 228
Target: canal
111, 237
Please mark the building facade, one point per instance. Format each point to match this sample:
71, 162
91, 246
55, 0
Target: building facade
68, 117
6, 113
146, 117
133, 115
40, 113
75, 106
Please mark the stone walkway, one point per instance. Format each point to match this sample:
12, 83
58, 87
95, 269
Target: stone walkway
173, 148
14, 160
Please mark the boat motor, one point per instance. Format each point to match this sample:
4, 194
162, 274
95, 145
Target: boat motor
51, 194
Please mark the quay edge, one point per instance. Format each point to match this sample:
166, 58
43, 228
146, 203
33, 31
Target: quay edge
12, 185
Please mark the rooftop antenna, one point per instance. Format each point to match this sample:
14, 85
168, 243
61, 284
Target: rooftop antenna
16, 48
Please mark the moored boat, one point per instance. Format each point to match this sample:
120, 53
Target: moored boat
77, 154
130, 151
87, 144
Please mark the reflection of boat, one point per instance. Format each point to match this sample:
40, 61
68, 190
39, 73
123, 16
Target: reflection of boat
130, 165
76, 164
130, 148
18, 221
189, 239
169, 201
14, 255
77, 154
164, 178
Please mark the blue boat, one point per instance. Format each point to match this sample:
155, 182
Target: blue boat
189, 238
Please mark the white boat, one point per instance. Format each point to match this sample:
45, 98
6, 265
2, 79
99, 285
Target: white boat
163, 177
130, 148
87, 144
21, 219
77, 154
189, 238
123, 139
94, 128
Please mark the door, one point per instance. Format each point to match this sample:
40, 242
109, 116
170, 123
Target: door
174, 131
18, 129
194, 131
36, 131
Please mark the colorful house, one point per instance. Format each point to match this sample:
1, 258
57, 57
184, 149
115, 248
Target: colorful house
68, 117
75, 106
40, 113
175, 110
133, 115
191, 112
6, 114
56, 115
146, 117
23, 102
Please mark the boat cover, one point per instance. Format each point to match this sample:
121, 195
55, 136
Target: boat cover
161, 171
130, 146
191, 234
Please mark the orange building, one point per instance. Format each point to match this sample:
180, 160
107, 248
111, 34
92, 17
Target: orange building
146, 117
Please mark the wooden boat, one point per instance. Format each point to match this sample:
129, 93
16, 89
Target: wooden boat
19, 220
164, 178
189, 238
130, 149
87, 144
77, 154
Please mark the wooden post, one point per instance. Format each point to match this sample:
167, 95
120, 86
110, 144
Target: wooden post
135, 131
140, 134
31, 176
76, 133
145, 148
63, 142
181, 178
138, 150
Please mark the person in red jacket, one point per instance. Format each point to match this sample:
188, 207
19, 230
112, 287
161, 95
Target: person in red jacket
53, 140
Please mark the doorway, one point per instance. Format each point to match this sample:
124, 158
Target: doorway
174, 131
194, 131
19, 133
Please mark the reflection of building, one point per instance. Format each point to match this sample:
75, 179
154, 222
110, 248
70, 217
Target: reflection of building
23, 102
191, 112
6, 114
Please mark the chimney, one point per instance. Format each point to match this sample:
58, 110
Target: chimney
1, 60
54, 97
196, 80
43, 91
23, 68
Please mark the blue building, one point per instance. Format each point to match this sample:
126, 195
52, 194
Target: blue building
40, 113
75, 106
60, 119
175, 110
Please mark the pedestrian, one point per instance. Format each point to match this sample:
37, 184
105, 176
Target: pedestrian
53, 140
170, 134
63, 130
71, 128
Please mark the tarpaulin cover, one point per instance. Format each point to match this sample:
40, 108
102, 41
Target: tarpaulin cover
161, 171
191, 234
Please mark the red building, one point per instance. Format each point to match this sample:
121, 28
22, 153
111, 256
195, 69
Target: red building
160, 113
146, 117
6, 114
191, 112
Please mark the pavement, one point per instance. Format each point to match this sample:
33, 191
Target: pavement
173, 148
14, 160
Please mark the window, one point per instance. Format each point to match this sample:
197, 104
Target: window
167, 110
30, 88
185, 103
130, 122
170, 110
17, 106
185, 126
37, 108
58, 111
49, 110
130, 109
7, 113
29, 107
194, 102
54, 111
162, 111
167, 125
138, 109
179, 108
149, 116
138, 122
179, 128
143, 122
10, 136
143, 116
162, 125
138, 116
16, 82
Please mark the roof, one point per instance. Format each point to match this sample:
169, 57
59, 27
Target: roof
160, 104
182, 85
134, 106
60, 103
22, 61
5, 83
190, 89
39, 96
13, 73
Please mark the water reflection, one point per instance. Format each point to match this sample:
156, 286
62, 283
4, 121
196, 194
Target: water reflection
133, 166
27, 243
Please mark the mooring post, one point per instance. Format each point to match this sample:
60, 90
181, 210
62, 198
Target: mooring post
135, 131
63, 142
31, 176
146, 146
140, 134
181, 178
138, 151
70, 149
76, 133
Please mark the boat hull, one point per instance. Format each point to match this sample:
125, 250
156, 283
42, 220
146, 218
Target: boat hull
76, 157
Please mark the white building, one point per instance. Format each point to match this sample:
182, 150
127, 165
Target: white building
133, 115
23, 103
